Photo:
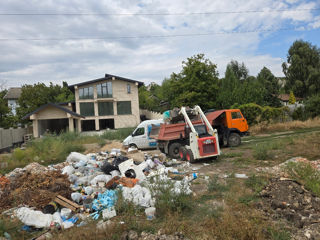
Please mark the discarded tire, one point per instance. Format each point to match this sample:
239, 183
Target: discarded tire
189, 156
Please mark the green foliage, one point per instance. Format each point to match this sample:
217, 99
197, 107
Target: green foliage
263, 151
119, 134
215, 186
6, 118
312, 106
256, 183
299, 114
292, 98
279, 234
302, 69
306, 174
33, 96
251, 112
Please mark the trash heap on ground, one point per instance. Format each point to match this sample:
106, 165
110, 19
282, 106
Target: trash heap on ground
86, 187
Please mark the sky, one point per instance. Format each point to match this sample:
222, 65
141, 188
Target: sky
75, 41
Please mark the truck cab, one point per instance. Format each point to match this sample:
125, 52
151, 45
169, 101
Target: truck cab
230, 124
140, 137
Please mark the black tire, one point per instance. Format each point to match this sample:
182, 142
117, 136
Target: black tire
189, 156
234, 140
174, 150
183, 153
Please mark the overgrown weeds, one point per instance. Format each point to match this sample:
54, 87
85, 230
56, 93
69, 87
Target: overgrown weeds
284, 126
306, 174
119, 134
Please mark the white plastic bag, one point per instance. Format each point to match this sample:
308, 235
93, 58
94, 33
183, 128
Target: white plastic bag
65, 212
68, 170
108, 213
100, 178
76, 157
34, 218
76, 197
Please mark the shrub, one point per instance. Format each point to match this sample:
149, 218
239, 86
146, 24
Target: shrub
251, 112
299, 114
263, 152
312, 106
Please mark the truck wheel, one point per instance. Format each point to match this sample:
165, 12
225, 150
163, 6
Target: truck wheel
189, 156
234, 140
162, 150
174, 150
183, 153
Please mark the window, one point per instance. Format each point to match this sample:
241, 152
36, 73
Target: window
138, 132
105, 108
87, 109
124, 107
86, 93
236, 115
128, 88
104, 90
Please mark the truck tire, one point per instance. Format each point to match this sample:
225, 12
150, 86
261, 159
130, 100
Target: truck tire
174, 150
189, 156
234, 140
132, 145
183, 153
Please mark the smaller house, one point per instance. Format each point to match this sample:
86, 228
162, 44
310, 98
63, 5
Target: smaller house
284, 99
54, 118
12, 97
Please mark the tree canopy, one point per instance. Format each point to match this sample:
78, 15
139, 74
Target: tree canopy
302, 69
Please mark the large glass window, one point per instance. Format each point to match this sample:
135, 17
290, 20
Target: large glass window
104, 90
86, 93
87, 109
105, 108
124, 107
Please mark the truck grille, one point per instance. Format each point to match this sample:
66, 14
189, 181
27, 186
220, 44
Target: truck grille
208, 148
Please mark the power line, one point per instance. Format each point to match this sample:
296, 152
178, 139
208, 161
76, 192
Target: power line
153, 36
158, 14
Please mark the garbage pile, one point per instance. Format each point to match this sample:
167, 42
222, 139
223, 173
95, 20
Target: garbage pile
285, 199
87, 187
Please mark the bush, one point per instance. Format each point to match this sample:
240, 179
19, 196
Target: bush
251, 112
312, 106
119, 134
299, 114
263, 152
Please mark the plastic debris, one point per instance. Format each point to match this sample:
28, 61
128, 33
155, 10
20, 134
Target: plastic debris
68, 170
138, 169
140, 196
240, 175
150, 212
76, 157
103, 201
76, 197
100, 178
65, 212
109, 213
34, 218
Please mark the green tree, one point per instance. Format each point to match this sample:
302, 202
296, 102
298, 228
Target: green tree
240, 71
312, 106
33, 96
196, 84
292, 98
271, 86
302, 69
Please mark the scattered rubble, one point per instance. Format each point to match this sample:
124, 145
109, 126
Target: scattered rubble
285, 199
133, 235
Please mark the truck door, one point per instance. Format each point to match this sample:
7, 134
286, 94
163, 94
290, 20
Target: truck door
238, 121
139, 137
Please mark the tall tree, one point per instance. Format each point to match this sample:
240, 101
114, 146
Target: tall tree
240, 71
196, 84
271, 86
302, 69
33, 96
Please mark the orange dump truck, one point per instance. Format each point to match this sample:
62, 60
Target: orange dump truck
230, 124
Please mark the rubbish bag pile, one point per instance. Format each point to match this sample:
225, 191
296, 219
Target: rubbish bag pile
88, 187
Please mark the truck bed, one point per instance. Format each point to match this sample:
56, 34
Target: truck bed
167, 132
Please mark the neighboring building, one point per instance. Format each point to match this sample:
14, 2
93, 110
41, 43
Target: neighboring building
284, 99
12, 96
108, 102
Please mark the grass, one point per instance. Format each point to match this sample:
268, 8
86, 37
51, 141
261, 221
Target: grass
230, 155
285, 126
50, 149
306, 175
215, 186
279, 234
265, 150
119, 134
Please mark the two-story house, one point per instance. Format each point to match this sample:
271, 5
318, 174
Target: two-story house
108, 102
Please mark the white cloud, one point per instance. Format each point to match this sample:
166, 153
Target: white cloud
145, 59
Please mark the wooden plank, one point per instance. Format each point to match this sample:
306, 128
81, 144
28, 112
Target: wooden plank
68, 201
64, 204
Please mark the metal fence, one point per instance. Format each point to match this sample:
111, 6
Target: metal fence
12, 136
